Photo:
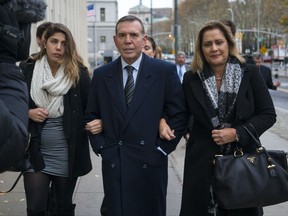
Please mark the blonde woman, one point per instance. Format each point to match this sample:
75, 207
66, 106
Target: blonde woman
223, 94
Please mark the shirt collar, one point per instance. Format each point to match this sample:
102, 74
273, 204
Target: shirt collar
135, 64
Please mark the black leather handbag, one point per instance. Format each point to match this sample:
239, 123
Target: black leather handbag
244, 180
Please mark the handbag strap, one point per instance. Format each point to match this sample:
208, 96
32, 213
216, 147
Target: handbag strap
256, 140
13, 186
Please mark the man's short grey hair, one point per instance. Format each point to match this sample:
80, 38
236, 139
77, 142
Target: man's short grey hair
181, 53
257, 55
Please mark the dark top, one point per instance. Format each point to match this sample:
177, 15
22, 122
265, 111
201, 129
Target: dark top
267, 76
75, 102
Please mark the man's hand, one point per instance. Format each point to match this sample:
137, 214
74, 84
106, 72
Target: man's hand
165, 131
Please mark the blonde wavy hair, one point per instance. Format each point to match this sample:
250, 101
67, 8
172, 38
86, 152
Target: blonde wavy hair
198, 61
72, 60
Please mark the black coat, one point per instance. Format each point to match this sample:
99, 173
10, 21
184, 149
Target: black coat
13, 115
134, 171
13, 92
253, 104
75, 102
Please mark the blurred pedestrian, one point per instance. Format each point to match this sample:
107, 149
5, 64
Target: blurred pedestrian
15, 25
150, 47
223, 94
180, 64
39, 36
130, 95
265, 72
58, 84
232, 27
230, 24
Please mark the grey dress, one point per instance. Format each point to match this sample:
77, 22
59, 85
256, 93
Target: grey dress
54, 148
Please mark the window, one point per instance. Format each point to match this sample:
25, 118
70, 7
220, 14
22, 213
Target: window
102, 14
103, 39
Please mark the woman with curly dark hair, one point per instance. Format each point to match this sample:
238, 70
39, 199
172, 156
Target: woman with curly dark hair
58, 84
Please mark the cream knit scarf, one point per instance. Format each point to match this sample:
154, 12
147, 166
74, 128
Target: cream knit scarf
47, 91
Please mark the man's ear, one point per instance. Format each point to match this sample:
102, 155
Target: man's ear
145, 38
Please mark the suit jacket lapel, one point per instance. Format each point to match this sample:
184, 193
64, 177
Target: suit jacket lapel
114, 83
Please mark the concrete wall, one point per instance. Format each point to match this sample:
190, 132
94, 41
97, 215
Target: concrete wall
73, 14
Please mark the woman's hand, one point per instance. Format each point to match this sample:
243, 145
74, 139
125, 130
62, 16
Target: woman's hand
94, 126
165, 131
38, 114
224, 136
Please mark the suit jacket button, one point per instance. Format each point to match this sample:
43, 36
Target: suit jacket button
142, 143
113, 165
120, 142
144, 166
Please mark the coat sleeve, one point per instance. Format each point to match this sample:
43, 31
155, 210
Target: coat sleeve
264, 115
267, 75
175, 110
85, 83
93, 112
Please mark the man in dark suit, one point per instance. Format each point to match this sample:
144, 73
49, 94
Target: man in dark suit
181, 65
134, 157
265, 72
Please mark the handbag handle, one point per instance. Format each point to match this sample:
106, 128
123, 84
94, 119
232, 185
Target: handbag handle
258, 145
261, 148
256, 140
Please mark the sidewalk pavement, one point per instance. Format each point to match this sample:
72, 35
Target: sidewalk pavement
89, 191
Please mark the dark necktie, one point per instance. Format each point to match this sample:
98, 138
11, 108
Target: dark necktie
129, 87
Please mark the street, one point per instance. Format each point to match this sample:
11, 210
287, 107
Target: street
89, 190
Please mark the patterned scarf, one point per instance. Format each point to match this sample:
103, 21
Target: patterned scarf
47, 91
220, 105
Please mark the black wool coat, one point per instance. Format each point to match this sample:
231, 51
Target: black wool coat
135, 173
267, 76
253, 104
75, 102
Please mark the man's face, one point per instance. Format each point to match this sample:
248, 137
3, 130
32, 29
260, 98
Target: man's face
129, 40
180, 59
257, 61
